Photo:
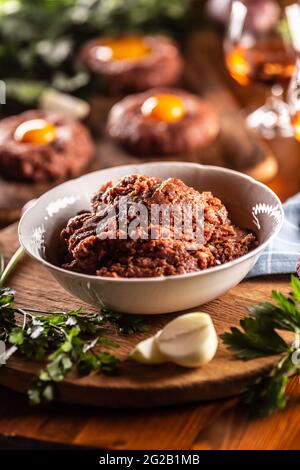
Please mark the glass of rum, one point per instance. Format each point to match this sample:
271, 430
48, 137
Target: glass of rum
294, 100
260, 48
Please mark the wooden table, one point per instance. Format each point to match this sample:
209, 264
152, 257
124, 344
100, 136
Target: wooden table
223, 424
215, 425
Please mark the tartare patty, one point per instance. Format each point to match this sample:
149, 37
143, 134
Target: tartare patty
142, 135
88, 248
161, 66
67, 155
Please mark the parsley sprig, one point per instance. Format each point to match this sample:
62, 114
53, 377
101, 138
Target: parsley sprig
63, 340
258, 336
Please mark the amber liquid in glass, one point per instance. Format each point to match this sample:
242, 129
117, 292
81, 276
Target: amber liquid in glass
267, 62
295, 120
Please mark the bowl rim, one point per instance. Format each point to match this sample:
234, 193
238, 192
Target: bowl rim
213, 269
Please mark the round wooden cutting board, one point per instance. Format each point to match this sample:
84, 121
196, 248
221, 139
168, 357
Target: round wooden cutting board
138, 385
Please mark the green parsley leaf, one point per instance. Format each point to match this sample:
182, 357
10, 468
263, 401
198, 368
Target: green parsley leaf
16, 336
257, 336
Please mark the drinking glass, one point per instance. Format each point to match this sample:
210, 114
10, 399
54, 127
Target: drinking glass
262, 50
294, 100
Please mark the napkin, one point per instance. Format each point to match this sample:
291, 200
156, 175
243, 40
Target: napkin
283, 252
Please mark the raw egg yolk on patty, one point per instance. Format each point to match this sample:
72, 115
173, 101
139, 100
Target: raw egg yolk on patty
124, 48
36, 131
167, 108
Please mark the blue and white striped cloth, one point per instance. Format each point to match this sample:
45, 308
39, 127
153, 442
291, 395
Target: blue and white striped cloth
282, 254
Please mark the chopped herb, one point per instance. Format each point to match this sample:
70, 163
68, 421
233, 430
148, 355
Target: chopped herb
126, 324
65, 340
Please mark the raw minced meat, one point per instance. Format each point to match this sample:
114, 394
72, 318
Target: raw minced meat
141, 135
162, 66
89, 249
70, 153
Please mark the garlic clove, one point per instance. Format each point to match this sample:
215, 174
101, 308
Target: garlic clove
189, 340
147, 351
52, 100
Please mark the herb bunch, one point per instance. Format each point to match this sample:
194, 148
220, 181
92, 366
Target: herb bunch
258, 336
64, 340
40, 40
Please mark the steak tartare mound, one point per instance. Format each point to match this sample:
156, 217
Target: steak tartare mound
89, 248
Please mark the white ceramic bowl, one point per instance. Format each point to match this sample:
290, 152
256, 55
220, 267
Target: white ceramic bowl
250, 204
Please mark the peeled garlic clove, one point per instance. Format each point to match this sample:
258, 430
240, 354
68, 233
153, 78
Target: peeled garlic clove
147, 351
189, 340
55, 101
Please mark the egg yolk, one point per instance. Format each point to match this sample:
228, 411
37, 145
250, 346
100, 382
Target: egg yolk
125, 48
36, 131
167, 108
